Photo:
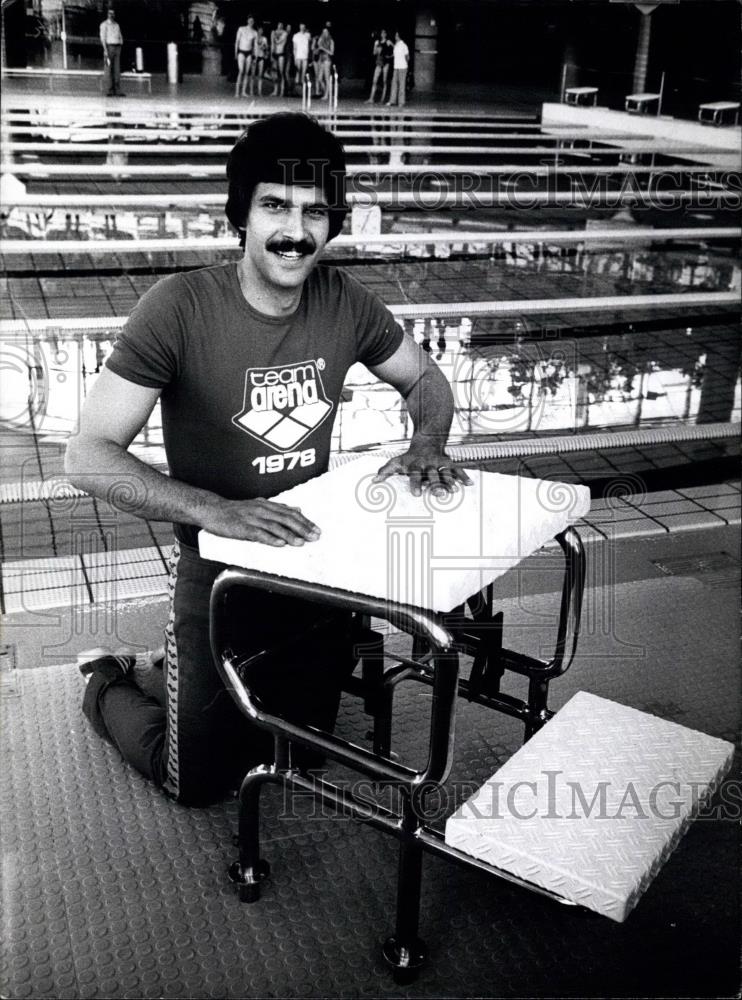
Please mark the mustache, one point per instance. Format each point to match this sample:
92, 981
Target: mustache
305, 246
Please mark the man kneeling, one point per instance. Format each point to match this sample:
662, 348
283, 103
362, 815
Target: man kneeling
228, 350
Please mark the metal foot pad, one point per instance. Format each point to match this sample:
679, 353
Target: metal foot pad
248, 882
405, 961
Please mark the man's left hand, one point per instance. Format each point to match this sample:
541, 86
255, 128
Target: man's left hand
427, 469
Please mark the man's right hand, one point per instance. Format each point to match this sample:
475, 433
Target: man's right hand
260, 521
115, 411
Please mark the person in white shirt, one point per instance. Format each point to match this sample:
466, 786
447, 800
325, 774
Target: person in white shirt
244, 51
111, 39
399, 75
301, 42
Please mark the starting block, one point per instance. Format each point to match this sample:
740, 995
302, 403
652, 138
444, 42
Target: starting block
594, 804
425, 551
638, 104
719, 113
581, 96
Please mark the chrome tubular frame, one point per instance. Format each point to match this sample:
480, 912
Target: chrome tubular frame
306, 93
437, 641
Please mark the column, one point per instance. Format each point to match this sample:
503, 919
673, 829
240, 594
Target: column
641, 61
426, 50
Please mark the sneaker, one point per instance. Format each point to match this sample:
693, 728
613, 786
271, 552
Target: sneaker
91, 659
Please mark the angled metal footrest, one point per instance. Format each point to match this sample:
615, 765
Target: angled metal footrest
594, 804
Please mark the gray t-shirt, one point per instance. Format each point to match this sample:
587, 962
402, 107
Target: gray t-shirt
248, 400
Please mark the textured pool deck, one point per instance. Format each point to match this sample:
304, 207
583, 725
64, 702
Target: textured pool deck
112, 890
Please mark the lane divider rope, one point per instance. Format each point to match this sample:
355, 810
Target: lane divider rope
79, 326
116, 170
58, 488
383, 240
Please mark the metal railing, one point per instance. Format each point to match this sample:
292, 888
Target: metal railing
306, 93
76, 326
332, 93
332, 96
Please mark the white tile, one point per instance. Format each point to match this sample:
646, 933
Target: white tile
27, 580
52, 597
127, 571
116, 590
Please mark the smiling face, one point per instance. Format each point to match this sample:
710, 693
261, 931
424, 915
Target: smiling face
286, 231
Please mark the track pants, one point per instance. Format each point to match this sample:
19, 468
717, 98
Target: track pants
191, 739
113, 69
398, 94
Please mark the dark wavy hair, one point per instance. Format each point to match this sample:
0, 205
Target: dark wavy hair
286, 148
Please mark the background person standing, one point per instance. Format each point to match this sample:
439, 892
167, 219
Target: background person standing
383, 56
325, 57
279, 37
399, 76
261, 49
244, 51
289, 69
111, 39
300, 45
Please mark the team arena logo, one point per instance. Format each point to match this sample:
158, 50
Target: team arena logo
283, 405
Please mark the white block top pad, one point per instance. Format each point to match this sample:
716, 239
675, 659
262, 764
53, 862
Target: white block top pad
594, 804
431, 552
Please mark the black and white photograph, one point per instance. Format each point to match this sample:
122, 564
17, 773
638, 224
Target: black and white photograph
370, 500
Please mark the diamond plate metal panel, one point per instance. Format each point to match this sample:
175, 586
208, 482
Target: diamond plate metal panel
594, 804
